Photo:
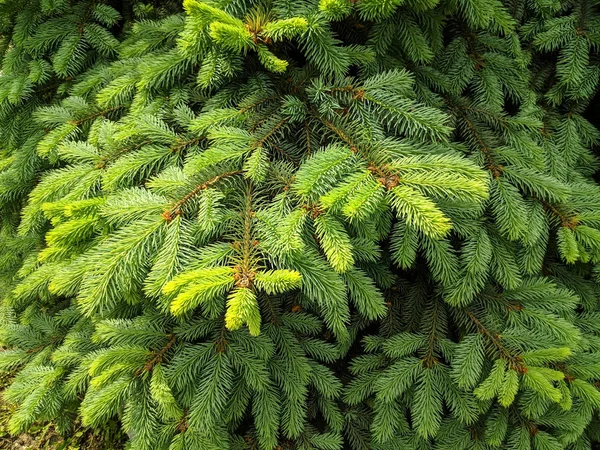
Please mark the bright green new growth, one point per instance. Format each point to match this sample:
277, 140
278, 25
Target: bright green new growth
307, 224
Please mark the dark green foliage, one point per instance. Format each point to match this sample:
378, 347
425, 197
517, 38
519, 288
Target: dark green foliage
302, 224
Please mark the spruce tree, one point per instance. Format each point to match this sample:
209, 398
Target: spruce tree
302, 224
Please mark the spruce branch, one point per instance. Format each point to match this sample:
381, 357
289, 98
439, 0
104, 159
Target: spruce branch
177, 208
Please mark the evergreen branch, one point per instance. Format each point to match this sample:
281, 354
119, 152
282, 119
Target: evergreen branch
429, 360
308, 141
106, 159
567, 220
180, 204
158, 356
515, 362
334, 203
181, 145
260, 143
492, 166
78, 122
257, 103
340, 133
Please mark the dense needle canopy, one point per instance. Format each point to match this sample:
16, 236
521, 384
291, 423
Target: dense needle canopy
302, 224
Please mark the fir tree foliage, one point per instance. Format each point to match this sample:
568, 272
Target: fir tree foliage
302, 224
